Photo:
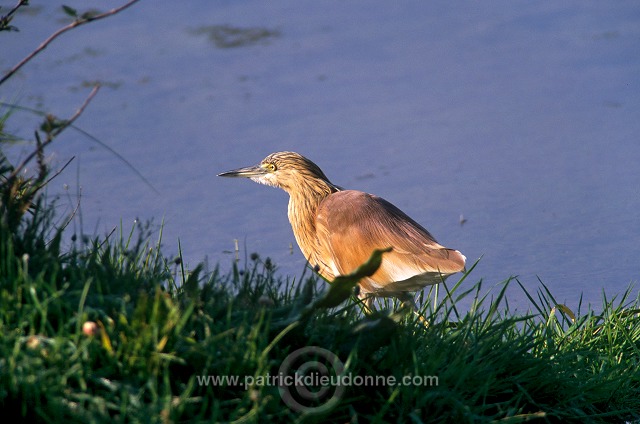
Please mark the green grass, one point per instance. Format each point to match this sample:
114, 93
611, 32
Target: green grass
162, 328
158, 331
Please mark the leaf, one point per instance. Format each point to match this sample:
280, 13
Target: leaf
162, 343
4, 24
565, 310
104, 337
339, 290
192, 285
90, 14
342, 286
70, 11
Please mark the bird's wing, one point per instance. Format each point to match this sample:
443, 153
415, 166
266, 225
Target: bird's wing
351, 224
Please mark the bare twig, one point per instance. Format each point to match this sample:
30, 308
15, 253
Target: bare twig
81, 20
52, 135
58, 172
4, 20
75, 116
92, 138
106, 239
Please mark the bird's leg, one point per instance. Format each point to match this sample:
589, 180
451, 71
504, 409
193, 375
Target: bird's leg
408, 299
368, 303
366, 298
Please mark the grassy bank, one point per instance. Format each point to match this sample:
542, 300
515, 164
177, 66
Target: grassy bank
109, 330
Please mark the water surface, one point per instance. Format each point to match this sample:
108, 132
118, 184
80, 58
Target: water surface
521, 116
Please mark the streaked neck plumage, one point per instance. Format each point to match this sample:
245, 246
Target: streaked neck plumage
303, 206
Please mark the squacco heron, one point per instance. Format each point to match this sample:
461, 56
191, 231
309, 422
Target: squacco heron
338, 230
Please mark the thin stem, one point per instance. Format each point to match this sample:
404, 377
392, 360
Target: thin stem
7, 18
51, 136
78, 22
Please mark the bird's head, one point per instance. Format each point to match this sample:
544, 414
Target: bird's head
289, 171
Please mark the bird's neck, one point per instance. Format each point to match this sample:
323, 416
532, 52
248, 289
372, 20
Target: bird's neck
303, 205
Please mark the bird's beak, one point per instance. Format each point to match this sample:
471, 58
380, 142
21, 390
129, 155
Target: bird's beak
248, 172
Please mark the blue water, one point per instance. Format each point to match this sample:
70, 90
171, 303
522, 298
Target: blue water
523, 117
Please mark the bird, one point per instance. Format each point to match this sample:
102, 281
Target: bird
337, 230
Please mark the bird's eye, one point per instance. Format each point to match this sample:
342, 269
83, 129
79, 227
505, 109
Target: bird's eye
270, 167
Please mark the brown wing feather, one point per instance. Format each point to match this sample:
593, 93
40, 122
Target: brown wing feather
351, 224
